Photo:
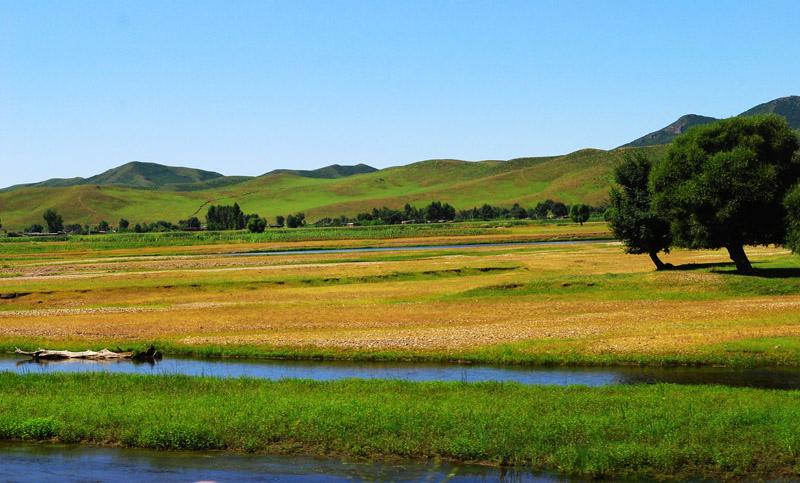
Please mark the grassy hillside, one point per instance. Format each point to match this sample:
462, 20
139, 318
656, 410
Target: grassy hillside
136, 175
147, 175
580, 176
152, 176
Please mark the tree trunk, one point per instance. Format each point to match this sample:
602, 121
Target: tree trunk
739, 257
659, 264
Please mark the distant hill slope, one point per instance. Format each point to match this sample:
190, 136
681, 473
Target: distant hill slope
137, 175
333, 171
149, 175
667, 134
788, 107
580, 176
152, 176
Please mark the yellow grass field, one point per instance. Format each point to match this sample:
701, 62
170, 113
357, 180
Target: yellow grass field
581, 303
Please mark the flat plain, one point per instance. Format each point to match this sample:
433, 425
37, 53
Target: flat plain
561, 303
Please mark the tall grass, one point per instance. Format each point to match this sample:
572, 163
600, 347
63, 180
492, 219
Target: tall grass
659, 431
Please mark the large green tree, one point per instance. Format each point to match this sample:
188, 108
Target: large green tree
722, 185
630, 216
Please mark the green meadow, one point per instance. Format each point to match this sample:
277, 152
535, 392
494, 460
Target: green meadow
656, 431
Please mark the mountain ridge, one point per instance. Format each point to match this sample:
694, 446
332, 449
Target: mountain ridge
334, 171
787, 107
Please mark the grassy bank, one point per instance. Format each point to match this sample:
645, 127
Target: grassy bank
743, 353
662, 430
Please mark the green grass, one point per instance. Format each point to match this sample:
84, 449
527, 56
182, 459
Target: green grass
581, 176
657, 431
743, 353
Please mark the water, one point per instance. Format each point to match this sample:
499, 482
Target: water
766, 378
423, 247
25, 462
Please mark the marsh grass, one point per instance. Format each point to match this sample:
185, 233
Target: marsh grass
661, 430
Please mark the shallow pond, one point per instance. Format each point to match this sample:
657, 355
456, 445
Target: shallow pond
768, 378
25, 462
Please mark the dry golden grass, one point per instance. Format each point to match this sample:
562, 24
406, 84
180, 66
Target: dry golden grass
587, 298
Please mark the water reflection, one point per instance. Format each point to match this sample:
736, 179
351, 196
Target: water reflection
24, 462
423, 247
768, 378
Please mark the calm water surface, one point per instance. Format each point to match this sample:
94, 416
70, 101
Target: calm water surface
768, 378
24, 462
422, 247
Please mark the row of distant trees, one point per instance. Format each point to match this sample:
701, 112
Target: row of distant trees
437, 211
231, 217
54, 223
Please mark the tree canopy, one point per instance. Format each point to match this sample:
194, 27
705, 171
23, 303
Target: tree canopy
792, 205
723, 185
257, 224
579, 212
54, 221
630, 215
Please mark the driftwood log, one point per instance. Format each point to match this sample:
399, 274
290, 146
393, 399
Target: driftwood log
39, 354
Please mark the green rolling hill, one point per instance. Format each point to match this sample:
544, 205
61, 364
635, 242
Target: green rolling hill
136, 174
580, 176
146, 192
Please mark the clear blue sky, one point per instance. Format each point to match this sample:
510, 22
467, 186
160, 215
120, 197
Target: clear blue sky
247, 87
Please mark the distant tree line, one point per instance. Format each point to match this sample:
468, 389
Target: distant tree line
437, 211
231, 217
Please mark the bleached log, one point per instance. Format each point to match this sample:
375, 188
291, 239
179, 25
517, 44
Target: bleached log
94, 355
151, 354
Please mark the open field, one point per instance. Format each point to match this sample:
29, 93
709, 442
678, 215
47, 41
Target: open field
542, 304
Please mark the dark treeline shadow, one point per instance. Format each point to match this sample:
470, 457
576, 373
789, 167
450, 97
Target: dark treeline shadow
769, 272
700, 266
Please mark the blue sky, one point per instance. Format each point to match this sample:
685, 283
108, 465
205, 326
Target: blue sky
247, 87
